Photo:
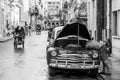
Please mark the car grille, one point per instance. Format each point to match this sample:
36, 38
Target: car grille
73, 60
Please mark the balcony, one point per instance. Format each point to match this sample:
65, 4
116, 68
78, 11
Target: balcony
33, 11
18, 3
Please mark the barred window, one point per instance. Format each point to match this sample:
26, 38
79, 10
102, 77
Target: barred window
115, 20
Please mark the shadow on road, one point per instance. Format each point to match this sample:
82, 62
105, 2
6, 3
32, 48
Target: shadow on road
19, 54
19, 50
76, 76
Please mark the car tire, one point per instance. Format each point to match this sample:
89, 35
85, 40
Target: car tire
94, 72
52, 71
48, 59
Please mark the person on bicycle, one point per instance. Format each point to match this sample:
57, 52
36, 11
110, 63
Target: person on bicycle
50, 34
19, 33
38, 28
29, 30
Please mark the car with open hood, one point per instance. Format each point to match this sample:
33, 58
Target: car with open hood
68, 51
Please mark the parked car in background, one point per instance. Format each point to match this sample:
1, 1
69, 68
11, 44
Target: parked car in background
68, 51
52, 34
55, 33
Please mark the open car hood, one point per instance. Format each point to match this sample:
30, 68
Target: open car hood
75, 27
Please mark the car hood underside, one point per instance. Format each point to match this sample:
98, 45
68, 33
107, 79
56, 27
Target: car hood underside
76, 29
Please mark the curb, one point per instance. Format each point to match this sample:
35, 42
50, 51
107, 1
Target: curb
114, 58
6, 39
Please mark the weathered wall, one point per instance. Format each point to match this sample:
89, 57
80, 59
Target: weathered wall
101, 19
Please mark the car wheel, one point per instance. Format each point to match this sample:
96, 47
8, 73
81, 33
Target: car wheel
94, 72
52, 71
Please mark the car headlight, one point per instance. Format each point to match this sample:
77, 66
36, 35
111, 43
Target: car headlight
53, 53
95, 55
51, 49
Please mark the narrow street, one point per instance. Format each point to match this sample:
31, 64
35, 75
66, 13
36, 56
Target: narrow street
30, 63
27, 64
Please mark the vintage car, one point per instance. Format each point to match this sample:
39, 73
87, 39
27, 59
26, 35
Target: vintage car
68, 51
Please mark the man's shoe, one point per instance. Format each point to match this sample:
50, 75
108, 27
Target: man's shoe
107, 73
102, 72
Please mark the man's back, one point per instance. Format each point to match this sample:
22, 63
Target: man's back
19, 31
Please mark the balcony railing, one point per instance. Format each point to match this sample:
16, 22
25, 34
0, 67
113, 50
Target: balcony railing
19, 2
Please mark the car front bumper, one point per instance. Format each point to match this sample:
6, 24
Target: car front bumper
65, 64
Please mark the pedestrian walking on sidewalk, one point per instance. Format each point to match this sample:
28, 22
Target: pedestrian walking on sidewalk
29, 30
26, 28
109, 47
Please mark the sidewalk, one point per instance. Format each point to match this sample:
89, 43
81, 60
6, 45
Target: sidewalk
116, 47
116, 53
3, 39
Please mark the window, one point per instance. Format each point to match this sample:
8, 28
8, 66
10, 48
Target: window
57, 2
115, 20
53, 2
53, 12
49, 2
57, 7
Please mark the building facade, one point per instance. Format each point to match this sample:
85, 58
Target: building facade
115, 27
16, 10
10, 15
115, 17
24, 13
53, 12
92, 18
99, 19
2, 18
36, 12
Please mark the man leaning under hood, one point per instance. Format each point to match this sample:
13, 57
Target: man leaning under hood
102, 48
